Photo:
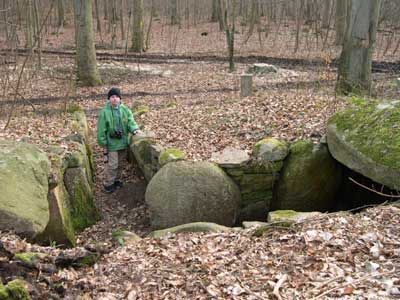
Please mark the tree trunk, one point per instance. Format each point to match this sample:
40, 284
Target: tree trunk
229, 26
29, 24
340, 22
137, 26
214, 14
121, 19
113, 24
87, 72
98, 19
326, 14
60, 14
354, 74
174, 12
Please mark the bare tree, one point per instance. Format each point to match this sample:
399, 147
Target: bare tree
354, 74
137, 26
228, 18
87, 72
341, 20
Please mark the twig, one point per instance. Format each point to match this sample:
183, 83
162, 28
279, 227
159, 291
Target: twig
353, 283
374, 191
278, 286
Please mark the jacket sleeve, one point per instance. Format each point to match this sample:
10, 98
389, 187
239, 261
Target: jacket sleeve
132, 125
102, 129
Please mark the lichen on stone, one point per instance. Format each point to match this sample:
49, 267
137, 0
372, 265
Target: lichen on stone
171, 154
373, 129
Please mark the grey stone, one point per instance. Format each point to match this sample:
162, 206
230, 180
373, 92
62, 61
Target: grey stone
191, 227
24, 172
230, 158
185, 192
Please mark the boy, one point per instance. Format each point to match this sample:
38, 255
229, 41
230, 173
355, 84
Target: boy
114, 124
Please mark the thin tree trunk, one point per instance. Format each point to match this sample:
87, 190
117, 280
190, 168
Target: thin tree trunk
29, 24
152, 10
214, 13
341, 21
175, 19
326, 14
121, 19
113, 24
98, 19
60, 13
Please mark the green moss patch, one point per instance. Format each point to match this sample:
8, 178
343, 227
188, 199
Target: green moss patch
171, 154
14, 290
140, 110
373, 128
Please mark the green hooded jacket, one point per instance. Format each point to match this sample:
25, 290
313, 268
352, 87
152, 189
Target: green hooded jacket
109, 121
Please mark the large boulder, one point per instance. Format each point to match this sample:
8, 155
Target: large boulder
24, 171
185, 192
366, 139
309, 180
82, 207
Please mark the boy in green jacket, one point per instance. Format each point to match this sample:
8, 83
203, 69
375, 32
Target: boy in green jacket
114, 124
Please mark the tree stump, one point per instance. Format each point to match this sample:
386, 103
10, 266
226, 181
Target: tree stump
246, 85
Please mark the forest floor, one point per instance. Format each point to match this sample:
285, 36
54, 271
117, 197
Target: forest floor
195, 106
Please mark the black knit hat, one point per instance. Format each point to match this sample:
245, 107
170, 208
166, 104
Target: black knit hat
114, 91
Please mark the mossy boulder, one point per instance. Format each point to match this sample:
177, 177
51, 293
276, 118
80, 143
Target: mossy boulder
24, 172
366, 139
14, 290
82, 207
191, 227
184, 192
270, 150
60, 228
309, 179
170, 155
146, 153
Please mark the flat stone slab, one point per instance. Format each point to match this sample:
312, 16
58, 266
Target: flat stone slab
291, 216
230, 158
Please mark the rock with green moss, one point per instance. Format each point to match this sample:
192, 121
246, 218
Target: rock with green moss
24, 172
170, 155
270, 150
184, 192
366, 139
78, 125
191, 227
290, 216
14, 290
146, 152
124, 237
60, 229
28, 258
140, 110
309, 179
83, 210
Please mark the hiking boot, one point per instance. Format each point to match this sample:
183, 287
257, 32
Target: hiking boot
109, 188
118, 183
